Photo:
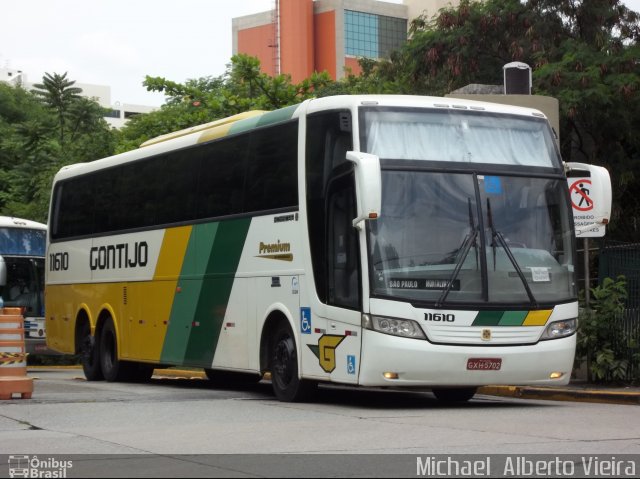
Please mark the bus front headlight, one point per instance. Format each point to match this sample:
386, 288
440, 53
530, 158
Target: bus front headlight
560, 329
406, 328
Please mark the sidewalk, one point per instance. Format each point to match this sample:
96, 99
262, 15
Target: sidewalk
577, 391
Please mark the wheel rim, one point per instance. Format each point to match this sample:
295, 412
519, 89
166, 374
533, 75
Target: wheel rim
284, 361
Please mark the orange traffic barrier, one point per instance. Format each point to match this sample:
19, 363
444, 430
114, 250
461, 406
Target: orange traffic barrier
13, 356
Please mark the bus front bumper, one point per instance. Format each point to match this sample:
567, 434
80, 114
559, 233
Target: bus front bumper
419, 363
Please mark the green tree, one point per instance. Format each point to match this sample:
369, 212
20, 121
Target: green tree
58, 93
243, 87
605, 346
41, 132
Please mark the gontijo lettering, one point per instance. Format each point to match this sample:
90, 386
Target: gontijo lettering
118, 256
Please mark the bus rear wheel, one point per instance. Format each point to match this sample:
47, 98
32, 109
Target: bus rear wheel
453, 395
112, 368
115, 369
286, 384
90, 354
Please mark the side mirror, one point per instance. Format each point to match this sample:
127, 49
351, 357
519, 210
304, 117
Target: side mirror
368, 185
3, 272
591, 198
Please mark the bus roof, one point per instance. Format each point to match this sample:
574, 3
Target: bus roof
415, 101
203, 127
11, 222
254, 119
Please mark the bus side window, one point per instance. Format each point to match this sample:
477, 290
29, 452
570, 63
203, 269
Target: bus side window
329, 137
342, 243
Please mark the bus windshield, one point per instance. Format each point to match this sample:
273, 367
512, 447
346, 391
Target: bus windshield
22, 250
22, 242
466, 237
458, 136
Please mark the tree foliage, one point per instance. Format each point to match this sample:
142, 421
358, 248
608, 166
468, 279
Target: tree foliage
243, 87
583, 52
42, 131
607, 348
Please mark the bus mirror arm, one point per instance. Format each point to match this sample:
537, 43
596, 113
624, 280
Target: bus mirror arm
368, 186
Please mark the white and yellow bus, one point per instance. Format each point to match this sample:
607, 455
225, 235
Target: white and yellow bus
364, 240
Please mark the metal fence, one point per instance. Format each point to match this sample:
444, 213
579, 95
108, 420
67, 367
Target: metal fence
624, 259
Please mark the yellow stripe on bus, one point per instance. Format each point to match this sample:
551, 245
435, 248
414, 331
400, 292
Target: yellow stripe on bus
149, 329
174, 246
537, 318
221, 129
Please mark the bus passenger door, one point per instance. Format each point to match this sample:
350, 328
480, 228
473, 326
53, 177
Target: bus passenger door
344, 296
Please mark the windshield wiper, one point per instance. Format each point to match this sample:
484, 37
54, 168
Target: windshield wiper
495, 234
469, 240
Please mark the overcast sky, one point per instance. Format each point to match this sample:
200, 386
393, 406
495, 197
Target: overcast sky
118, 42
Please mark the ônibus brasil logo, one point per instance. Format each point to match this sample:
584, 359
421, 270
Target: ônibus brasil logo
26, 466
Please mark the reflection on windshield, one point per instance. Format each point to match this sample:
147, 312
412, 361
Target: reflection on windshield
22, 241
423, 247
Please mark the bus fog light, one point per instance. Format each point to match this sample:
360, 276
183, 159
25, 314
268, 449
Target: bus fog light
405, 328
556, 375
560, 329
389, 375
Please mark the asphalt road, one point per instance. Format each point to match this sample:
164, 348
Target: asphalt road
166, 418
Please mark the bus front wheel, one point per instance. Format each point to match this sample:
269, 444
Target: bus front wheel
286, 384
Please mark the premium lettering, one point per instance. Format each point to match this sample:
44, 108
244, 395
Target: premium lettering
119, 256
275, 247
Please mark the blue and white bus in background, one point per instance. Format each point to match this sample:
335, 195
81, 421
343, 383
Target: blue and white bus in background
22, 250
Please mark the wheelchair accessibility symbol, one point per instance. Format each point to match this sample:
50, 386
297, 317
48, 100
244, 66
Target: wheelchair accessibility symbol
305, 320
351, 364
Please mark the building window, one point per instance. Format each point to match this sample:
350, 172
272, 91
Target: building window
373, 36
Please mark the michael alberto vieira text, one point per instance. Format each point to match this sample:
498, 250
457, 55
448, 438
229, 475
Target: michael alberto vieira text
521, 466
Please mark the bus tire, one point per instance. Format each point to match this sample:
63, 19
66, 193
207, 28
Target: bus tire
286, 384
112, 368
453, 395
90, 354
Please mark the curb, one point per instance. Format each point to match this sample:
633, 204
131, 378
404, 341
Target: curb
179, 373
563, 394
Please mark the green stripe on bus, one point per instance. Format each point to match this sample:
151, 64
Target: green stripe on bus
488, 318
283, 114
269, 118
216, 290
185, 302
513, 318
244, 125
